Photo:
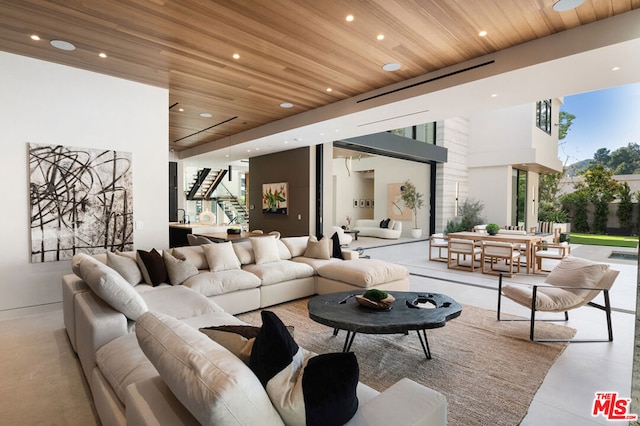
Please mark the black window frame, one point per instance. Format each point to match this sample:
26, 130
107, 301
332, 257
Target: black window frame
543, 115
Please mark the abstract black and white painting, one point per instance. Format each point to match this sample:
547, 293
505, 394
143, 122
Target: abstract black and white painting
81, 201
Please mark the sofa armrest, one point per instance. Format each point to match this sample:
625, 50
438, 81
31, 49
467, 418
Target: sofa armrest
404, 403
96, 325
150, 402
350, 254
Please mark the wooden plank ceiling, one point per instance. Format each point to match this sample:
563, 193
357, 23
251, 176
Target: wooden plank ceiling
289, 50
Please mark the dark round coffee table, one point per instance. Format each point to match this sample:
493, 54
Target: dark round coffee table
410, 311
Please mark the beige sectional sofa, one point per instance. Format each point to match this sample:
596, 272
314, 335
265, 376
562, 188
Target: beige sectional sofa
101, 309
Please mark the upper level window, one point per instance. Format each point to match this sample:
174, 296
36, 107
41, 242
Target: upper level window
543, 115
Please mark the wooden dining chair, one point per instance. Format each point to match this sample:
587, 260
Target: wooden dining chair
494, 252
458, 247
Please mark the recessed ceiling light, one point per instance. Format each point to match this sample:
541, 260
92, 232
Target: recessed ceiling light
349, 18
35, 37
236, 56
181, 109
564, 5
380, 37
286, 105
206, 115
392, 66
297, 139
62, 45
227, 155
286, 142
257, 149
615, 68
494, 95
102, 55
482, 33
329, 89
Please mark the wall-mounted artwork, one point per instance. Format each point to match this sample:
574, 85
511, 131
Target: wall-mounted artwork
361, 203
81, 201
396, 209
367, 203
355, 202
275, 198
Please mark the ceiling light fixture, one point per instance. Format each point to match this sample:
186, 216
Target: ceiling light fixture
392, 66
181, 109
102, 55
62, 45
35, 37
482, 33
286, 105
494, 95
329, 89
615, 68
380, 37
206, 115
236, 56
349, 18
564, 5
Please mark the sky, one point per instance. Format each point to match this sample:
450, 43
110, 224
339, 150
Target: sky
607, 118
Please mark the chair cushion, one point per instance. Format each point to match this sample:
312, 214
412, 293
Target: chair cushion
213, 384
305, 389
577, 272
548, 298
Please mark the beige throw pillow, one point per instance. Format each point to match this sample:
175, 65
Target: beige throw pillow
265, 249
179, 270
318, 249
126, 266
221, 256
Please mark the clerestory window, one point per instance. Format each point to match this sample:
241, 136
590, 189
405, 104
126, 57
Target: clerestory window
543, 115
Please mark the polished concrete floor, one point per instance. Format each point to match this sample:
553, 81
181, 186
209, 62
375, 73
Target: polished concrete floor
568, 391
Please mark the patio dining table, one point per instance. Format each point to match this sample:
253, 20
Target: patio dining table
529, 240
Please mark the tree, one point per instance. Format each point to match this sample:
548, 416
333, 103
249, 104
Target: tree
625, 160
600, 188
412, 199
602, 156
625, 208
469, 215
576, 204
565, 120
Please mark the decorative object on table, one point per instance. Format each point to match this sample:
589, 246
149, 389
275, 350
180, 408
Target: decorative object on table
275, 198
348, 227
376, 299
413, 201
81, 201
234, 231
492, 229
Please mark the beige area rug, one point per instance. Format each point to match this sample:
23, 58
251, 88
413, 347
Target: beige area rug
488, 370
41, 379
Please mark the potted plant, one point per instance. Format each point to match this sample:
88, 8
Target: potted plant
412, 200
492, 229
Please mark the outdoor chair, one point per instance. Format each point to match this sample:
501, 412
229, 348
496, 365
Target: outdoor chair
440, 242
459, 247
495, 251
573, 283
275, 234
544, 250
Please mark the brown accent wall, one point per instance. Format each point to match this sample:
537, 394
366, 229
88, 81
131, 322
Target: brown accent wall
288, 166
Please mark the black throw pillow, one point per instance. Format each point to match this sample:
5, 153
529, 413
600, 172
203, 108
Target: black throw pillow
337, 251
385, 223
155, 271
273, 349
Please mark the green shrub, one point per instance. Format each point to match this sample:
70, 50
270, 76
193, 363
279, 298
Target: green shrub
375, 295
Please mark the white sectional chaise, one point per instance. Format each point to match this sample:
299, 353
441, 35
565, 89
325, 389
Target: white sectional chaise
101, 309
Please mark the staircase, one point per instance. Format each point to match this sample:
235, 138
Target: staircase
207, 185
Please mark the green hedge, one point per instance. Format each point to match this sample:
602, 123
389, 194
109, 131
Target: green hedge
604, 240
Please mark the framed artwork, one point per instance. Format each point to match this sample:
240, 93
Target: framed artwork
361, 203
275, 198
355, 203
395, 208
367, 203
81, 201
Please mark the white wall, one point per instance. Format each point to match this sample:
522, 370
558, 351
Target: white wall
360, 185
47, 103
492, 186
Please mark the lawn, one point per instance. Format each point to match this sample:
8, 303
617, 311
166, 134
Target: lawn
604, 240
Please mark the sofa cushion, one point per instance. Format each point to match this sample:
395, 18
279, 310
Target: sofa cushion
314, 263
152, 267
296, 245
265, 249
237, 339
126, 266
178, 302
122, 362
194, 254
178, 270
363, 272
318, 249
284, 252
244, 252
214, 283
108, 285
305, 389
277, 272
213, 384
221, 256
